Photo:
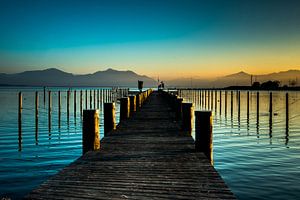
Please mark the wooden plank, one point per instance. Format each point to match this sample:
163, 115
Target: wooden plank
146, 157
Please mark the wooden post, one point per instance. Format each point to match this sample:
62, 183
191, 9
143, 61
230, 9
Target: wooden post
36, 115
94, 99
287, 111
187, 117
49, 110
257, 108
138, 101
91, 99
208, 99
239, 106
231, 104
179, 109
90, 131
75, 105
124, 108
132, 104
205, 100
247, 105
59, 109
20, 120
203, 133
44, 96
212, 100
216, 100
86, 99
220, 102
68, 106
80, 102
225, 103
271, 108
98, 99
109, 117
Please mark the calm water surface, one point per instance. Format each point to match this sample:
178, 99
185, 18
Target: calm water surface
258, 159
44, 153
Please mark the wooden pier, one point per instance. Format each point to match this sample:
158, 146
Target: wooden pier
148, 156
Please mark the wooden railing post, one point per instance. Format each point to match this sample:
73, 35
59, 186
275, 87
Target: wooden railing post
203, 133
20, 120
187, 117
138, 101
109, 117
124, 108
178, 109
132, 104
90, 131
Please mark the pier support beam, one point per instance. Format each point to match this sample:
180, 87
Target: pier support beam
109, 117
90, 131
187, 117
203, 133
132, 104
124, 108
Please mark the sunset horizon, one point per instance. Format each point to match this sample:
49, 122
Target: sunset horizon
167, 39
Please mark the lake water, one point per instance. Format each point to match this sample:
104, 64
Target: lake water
257, 160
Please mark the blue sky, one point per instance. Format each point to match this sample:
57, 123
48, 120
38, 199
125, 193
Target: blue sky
171, 38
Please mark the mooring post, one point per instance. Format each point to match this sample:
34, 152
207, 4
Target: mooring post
231, 104
59, 109
132, 104
178, 109
225, 103
91, 99
248, 105
239, 106
98, 99
187, 117
75, 105
138, 101
271, 108
124, 108
205, 100
44, 95
68, 105
203, 133
287, 111
208, 99
109, 117
94, 99
212, 100
80, 102
220, 102
90, 131
216, 100
36, 115
49, 110
20, 120
86, 99
257, 107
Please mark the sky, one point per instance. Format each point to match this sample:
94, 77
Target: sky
165, 38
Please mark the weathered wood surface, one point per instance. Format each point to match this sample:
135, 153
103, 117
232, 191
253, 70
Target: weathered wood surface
147, 157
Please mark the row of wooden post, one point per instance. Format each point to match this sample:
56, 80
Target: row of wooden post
100, 94
206, 99
184, 113
90, 129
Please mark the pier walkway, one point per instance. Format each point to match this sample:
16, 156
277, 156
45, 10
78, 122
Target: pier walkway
147, 157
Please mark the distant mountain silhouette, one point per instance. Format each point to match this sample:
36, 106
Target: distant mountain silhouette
55, 77
238, 79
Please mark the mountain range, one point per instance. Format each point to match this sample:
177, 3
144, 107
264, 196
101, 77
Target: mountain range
238, 79
55, 77
111, 77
